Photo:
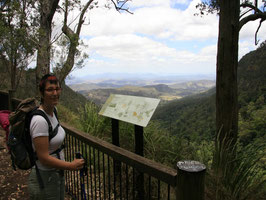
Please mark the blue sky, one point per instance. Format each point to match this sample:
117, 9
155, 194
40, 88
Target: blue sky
161, 37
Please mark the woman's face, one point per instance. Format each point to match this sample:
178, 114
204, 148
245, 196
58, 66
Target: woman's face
51, 94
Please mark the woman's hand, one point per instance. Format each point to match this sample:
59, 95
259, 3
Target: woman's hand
77, 164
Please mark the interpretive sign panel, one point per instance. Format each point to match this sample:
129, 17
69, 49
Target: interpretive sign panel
131, 109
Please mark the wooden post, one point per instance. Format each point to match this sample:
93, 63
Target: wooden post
139, 151
139, 140
190, 180
115, 132
115, 141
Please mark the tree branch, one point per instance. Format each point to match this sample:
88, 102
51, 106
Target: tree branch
81, 20
245, 13
252, 17
247, 5
121, 7
256, 34
66, 12
53, 9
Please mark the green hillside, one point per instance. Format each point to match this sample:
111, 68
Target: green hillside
193, 117
252, 96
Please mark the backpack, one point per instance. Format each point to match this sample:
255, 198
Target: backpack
19, 139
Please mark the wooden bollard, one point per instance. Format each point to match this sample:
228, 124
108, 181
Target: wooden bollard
190, 180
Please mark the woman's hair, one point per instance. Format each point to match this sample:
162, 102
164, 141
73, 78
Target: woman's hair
52, 79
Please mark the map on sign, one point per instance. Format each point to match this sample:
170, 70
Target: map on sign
132, 109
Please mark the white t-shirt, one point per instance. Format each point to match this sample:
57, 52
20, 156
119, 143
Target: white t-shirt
39, 127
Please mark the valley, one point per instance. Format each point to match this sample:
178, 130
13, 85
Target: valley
166, 90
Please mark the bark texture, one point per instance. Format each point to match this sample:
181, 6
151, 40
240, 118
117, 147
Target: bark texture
226, 79
47, 11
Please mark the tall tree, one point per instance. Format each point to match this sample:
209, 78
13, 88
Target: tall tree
17, 36
231, 20
47, 9
226, 84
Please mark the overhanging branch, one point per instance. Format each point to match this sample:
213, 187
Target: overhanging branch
252, 17
81, 18
256, 34
247, 5
118, 8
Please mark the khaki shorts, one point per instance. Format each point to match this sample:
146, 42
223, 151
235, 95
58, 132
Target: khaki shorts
54, 185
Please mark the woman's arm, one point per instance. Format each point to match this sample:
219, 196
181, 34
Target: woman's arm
41, 144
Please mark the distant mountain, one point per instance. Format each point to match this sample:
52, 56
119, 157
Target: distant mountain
161, 88
199, 84
162, 91
139, 77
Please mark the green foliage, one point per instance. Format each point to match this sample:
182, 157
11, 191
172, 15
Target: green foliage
69, 117
61, 51
72, 99
17, 38
163, 147
242, 177
126, 136
192, 117
208, 7
91, 121
252, 124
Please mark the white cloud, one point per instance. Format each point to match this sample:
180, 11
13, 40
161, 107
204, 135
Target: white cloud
128, 53
159, 37
157, 21
148, 3
129, 47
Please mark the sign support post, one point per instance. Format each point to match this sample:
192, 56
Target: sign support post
134, 110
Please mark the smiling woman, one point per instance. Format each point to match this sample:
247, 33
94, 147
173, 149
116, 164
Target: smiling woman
46, 180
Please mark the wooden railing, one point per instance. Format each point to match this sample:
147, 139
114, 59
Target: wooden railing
113, 172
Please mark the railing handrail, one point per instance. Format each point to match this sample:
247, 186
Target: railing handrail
142, 164
157, 170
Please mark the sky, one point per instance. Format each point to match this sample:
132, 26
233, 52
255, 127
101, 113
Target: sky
161, 37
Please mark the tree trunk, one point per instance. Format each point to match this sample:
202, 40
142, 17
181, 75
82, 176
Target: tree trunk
47, 10
226, 81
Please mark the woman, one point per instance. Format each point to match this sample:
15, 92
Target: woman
46, 180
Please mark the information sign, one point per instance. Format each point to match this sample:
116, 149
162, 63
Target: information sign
131, 109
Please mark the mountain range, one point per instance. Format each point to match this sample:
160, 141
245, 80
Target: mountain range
166, 90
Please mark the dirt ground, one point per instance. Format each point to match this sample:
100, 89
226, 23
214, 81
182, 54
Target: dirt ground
13, 184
